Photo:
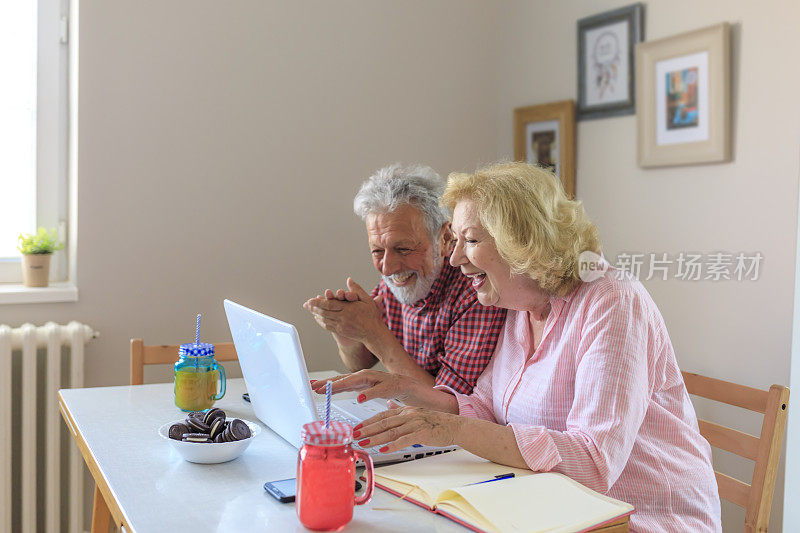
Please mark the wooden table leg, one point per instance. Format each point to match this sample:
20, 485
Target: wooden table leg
106, 509
101, 516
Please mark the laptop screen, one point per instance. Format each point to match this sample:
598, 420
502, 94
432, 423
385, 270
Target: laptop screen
274, 370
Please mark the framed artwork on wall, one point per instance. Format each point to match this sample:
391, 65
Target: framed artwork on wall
683, 93
545, 135
606, 81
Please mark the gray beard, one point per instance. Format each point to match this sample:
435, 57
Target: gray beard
422, 287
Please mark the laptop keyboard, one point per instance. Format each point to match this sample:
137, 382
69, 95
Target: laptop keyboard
341, 417
335, 415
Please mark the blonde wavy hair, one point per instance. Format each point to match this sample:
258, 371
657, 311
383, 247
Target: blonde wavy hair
537, 229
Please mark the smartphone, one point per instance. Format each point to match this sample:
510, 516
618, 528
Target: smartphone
284, 490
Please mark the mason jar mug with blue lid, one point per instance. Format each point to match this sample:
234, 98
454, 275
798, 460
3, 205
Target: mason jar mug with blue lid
196, 376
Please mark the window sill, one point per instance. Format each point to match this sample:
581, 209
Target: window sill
17, 293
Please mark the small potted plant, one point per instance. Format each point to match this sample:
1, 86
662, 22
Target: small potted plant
37, 248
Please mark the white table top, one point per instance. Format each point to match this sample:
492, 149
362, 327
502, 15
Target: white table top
159, 491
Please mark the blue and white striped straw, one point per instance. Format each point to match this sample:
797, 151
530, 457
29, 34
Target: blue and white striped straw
328, 388
197, 330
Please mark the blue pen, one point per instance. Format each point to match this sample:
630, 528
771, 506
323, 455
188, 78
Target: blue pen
498, 477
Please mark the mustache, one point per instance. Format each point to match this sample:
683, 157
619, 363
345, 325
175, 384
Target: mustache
393, 279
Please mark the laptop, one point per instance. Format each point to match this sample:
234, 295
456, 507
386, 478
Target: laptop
274, 371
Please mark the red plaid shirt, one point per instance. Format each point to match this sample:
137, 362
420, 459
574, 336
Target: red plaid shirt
448, 333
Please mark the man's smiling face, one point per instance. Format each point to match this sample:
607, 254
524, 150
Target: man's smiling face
403, 252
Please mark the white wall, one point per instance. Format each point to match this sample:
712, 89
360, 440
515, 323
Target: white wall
740, 332
791, 514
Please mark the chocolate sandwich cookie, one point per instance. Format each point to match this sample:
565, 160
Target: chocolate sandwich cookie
217, 426
214, 412
218, 439
176, 431
195, 421
195, 437
227, 436
239, 430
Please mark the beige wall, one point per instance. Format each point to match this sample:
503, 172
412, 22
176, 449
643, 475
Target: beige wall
221, 144
735, 331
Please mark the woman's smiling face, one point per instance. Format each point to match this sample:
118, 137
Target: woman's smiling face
477, 256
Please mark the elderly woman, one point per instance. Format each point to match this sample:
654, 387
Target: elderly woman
584, 379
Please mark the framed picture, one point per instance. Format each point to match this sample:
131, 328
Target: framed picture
683, 92
545, 135
606, 81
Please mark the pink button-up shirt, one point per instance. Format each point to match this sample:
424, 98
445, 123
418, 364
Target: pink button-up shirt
602, 401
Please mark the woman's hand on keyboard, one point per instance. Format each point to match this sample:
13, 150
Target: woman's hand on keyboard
376, 384
396, 429
372, 383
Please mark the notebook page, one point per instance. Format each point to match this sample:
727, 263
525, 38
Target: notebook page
461, 508
438, 473
540, 502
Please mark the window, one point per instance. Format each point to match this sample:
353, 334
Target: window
33, 129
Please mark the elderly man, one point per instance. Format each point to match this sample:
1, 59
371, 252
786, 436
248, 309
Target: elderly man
422, 319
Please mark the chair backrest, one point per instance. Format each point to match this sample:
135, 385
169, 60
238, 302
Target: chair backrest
755, 498
161, 354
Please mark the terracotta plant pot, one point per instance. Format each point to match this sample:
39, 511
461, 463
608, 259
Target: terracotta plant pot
36, 269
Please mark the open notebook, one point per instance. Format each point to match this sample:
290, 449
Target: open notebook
528, 502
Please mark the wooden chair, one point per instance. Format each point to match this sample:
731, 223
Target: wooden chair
755, 498
148, 355
167, 354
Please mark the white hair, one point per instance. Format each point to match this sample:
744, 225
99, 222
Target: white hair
393, 186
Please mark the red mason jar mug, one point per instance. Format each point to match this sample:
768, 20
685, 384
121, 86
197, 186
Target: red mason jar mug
326, 476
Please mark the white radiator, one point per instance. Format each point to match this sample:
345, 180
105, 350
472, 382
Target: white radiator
24, 343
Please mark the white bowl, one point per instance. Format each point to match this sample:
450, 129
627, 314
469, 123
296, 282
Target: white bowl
210, 453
